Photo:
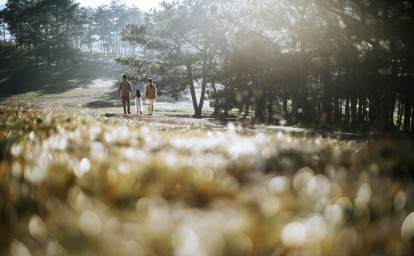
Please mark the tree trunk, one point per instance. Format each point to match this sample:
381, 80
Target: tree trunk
246, 102
259, 101
190, 81
354, 112
247, 108
399, 115
270, 105
327, 95
337, 111
306, 112
216, 108
66, 50
347, 110
412, 120
407, 116
57, 36
204, 83
4, 32
360, 109
365, 113
285, 105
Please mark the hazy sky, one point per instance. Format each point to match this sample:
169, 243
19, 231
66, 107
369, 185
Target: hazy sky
145, 5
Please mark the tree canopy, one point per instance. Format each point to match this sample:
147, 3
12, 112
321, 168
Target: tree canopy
346, 62
55, 29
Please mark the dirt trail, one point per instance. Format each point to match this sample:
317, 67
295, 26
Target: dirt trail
89, 88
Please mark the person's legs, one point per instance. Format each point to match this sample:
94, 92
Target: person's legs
124, 104
139, 110
129, 105
150, 106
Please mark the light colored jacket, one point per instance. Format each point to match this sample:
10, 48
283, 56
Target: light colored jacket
125, 88
150, 92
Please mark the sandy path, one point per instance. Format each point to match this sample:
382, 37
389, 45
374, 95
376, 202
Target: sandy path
89, 89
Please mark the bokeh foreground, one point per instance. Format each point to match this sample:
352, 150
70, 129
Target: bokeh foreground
92, 185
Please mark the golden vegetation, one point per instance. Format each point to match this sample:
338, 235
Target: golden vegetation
85, 185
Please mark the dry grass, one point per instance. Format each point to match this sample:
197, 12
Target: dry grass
74, 184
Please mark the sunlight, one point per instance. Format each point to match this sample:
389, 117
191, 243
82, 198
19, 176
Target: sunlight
316, 228
333, 214
82, 201
17, 170
407, 228
293, 234
98, 151
37, 227
364, 194
35, 175
18, 248
318, 186
101, 82
281, 127
90, 223
186, 242
84, 165
302, 179
279, 185
144, 5
270, 206
400, 200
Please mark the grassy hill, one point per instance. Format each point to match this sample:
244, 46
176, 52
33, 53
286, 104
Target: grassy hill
19, 73
85, 85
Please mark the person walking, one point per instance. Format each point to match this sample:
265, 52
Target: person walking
125, 91
150, 94
138, 102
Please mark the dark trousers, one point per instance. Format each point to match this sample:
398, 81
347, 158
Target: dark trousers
126, 104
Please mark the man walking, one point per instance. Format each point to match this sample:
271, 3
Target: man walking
125, 91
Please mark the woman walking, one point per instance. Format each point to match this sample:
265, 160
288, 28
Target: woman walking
150, 94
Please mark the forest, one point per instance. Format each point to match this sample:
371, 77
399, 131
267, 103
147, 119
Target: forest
344, 63
58, 28
282, 128
328, 63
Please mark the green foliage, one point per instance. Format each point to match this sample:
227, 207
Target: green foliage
48, 26
57, 27
341, 63
326, 58
182, 40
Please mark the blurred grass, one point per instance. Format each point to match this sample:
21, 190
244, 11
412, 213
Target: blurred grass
6, 141
92, 185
